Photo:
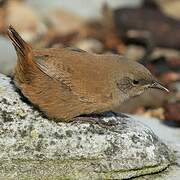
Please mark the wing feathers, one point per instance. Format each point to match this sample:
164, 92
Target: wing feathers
54, 71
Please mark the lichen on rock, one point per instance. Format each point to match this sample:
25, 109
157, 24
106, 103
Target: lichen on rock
33, 146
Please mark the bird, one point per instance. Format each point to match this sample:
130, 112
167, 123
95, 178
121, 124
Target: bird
67, 83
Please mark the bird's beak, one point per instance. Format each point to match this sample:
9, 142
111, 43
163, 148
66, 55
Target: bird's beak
157, 85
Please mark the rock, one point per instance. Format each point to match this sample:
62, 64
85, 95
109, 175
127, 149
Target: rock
165, 34
168, 53
2, 15
31, 146
25, 20
64, 21
90, 45
8, 56
134, 52
171, 8
169, 135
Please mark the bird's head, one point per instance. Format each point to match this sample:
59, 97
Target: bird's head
133, 79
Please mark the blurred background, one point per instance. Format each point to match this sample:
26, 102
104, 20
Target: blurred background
147, 31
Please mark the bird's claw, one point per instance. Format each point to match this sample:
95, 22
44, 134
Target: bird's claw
95, 120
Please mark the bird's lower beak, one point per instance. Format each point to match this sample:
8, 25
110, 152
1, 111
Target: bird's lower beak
157, 85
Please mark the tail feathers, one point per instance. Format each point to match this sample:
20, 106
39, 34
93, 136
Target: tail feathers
23, 69
20, 45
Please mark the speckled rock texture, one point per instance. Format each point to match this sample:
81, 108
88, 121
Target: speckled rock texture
34, 147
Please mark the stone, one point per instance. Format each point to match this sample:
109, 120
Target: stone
25, 20
134, 52
171, 8
170, 135
31, 146
64, 22
8, 56
90, 45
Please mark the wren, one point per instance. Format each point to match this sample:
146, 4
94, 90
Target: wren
67, 82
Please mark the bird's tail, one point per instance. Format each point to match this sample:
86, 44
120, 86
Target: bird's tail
24, 55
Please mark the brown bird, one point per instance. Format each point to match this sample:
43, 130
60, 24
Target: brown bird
65, 82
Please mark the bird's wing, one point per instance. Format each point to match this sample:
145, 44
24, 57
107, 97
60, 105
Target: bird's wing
54, 71
59, 70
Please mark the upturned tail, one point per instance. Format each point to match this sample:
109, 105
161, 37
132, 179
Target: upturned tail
24, 56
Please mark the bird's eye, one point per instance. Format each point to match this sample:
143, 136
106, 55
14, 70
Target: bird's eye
135, 82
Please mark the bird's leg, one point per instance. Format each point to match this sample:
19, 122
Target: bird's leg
97, 119
119, 114
110, 114
93, 120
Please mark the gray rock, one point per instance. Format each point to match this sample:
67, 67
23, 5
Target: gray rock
170, 135
31, 146
90, 45
8, 56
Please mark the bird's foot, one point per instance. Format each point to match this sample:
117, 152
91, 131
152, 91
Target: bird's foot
95, 120
110, 114
122, 115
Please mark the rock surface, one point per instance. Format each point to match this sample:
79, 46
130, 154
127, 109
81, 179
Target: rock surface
8, 56
171, 136
31, 146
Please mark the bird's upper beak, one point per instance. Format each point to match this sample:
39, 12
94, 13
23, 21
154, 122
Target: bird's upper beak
157, 85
